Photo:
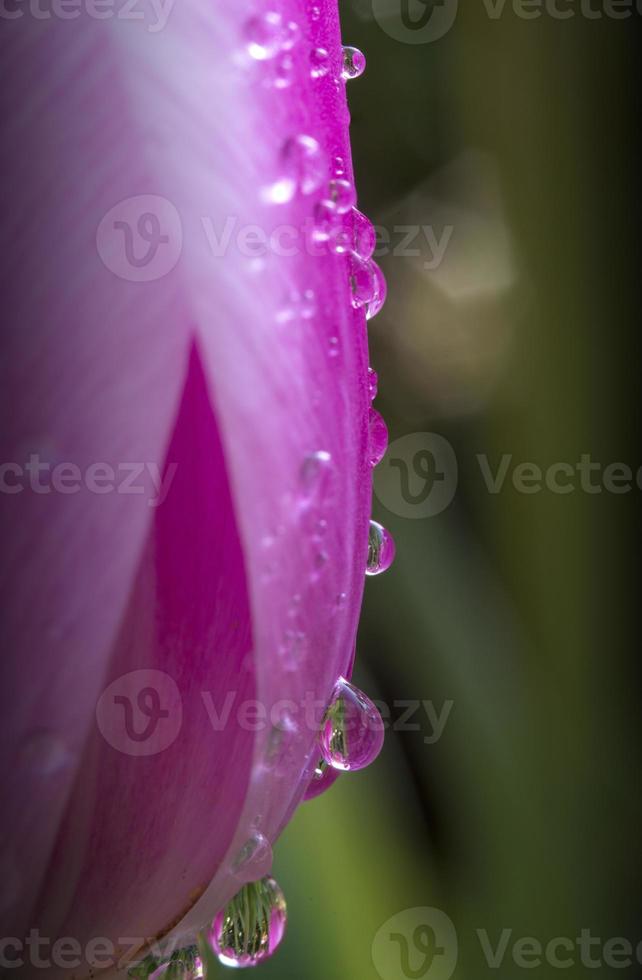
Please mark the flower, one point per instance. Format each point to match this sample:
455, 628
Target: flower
186, 474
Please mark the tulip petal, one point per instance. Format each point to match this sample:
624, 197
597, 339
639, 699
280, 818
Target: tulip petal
262, 362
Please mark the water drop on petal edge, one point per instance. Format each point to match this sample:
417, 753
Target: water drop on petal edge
362, 281
354, 63
380, 292
378, 437
373, 383
352, 732
341, 194
381, 549
251, 926
323, 777
364, 235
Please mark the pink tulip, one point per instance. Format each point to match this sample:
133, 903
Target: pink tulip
186, 477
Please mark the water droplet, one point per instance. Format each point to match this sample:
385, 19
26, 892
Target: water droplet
327, 221
381, 549
373, 383
341, 194
264, 35
294, 606
284, 71
380, 292
330, 226
301, 306
315, 473
364, 235
187, 966
322, 779
339, 166
290, 35
362, 281
352, 731
254, 860
251, 926
319, 62
308, 304
341, 239
293, 648
315, 13
320, 560
334, 348
354, 63
304, 163
378, 437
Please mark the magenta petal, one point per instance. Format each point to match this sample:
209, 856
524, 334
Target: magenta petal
241, 369
151, 829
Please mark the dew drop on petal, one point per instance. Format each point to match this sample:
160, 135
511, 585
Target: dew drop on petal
352, 732
308, 304
264, 35
341, 194
290, 35
373, 383
320, 560
283, 71
364, 235
340, 240
251, 926
339, 166
323, 777
315, 13
363, 283
293, 648
381, 549
319, 62
377, 437
314, 474
374, 305
327, 221
354, 63
304, 162
254, 860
